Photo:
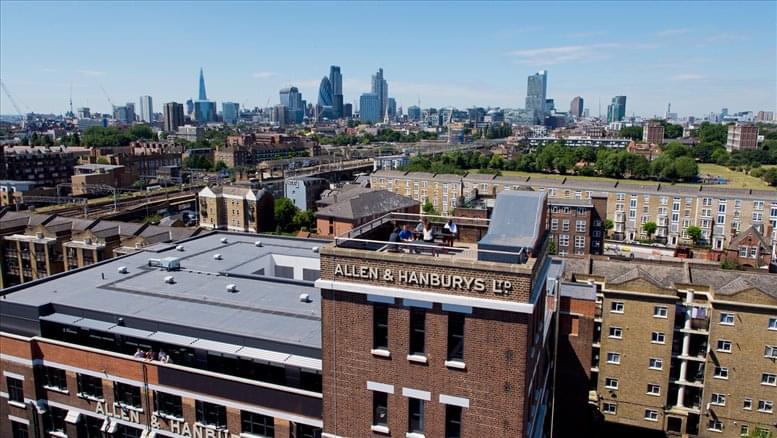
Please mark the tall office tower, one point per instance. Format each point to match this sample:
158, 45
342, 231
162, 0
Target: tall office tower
131, 115
536, 93
146, 109
348, 110
414, 113
616, 111
230, 112
124, 114
203, 95
291, 98
336, 80
325, 98
742, 136
668, 110
189, 107
369, 108
84, 113
173, 116
392, 108
380, 88
576, 107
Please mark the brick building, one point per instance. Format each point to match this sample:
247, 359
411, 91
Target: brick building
351, 211
679, 348
721, 213
742, 136
577, 225
244, 351
456, 345
750, 249
252, 149
237, 208
653, 132
46, 166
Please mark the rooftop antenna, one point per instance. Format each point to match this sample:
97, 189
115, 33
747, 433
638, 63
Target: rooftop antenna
71, 100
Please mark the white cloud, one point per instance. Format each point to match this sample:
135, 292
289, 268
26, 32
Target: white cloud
687, 77
562, 54
264, 75
91, 73
672, 32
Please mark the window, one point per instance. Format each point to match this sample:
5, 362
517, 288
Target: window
724, 346
456, 336
720, 372
15, 389
616, 332
257, 424
379, 408
126, 395
563, 240
715, 425
656, 363
565, 225
616, 307
718, 399
57, 418
54, 378
123, 431
452, 421
748, 404
727, 318
415, 415
417, 332
168, 404
580, 226
611, 383
772, 323
744, 430
579, 241
765, 406
19, 430
657, 338
614, 358
651, 415
659, 312
653, 389
554, 224
380, 327
609, 408
768, 379
770, 352
211, 414
89, 386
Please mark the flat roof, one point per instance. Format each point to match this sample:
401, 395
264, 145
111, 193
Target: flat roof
263, 312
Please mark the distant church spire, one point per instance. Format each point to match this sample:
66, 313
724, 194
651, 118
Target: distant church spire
203, 96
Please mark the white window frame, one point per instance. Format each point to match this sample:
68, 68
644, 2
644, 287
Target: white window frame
723, 374
653, 386
765, 406
613, 336
727, 318
608, 383
715, 425
657, 360
615, 305
651, 415
660, 312
616, 358
658, 338
772, 324
610, 408
769, 379
721, 345
747, 404
770, 352
718, 399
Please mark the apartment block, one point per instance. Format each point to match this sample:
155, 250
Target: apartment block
720, 213
46, 166
742, 136
576, 226
681, 348
653, 132
236, 208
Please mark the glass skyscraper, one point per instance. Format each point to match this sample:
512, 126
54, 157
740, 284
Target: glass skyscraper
204, 110
291, 98
536, 94
616, 110
380, 89
230, 111
146, 109
369, 108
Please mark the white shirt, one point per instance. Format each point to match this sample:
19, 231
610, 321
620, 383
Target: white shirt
428, 236
451, 227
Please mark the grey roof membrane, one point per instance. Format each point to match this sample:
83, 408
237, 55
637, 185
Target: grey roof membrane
516, 219
264, 309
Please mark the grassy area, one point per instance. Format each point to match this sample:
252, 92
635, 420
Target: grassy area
736, 180
739, 180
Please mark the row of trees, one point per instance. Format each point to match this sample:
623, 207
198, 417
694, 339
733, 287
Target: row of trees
97, 136
671, 131
383, 135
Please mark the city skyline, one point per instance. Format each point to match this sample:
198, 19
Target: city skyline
724, 59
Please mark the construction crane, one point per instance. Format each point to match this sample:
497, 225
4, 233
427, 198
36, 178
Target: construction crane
13, 102
106, 95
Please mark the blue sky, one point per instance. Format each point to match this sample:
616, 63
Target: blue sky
700, 56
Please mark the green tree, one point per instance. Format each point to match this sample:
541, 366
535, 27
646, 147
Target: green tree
632, 132
285, 212
304, 220
672, 131
220, 165
708, 132
650, 229
686, 168
694, 233
428, 208
608, 225
138, 132
198, 162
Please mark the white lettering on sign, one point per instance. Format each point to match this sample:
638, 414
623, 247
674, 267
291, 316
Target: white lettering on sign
177, 426
425, 279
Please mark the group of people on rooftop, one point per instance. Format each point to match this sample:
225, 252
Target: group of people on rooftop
150, 355
424, 232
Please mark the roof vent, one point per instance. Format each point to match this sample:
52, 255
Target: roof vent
315, 249
305, 298
170, 279
122, 270
223, 240
179, 248
232, 288
216, 256
258, 244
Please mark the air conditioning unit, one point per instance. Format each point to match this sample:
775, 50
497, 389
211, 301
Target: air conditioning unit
179, 248
305, 298
232, 288
169, 279
216, 256
258, 244
223, 240
122, 270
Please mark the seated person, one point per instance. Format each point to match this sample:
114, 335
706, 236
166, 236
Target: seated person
451, 227
420, 227
406, 235
394, 238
